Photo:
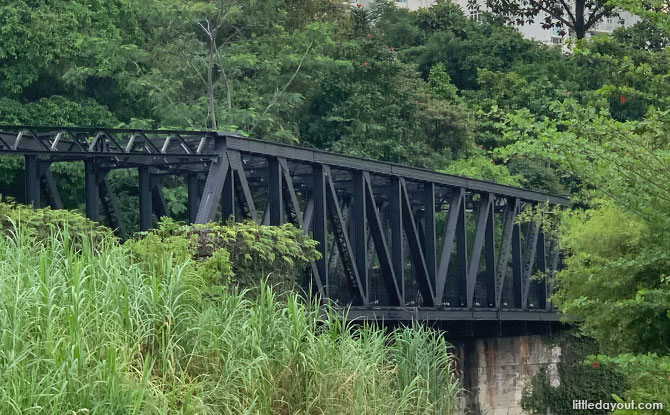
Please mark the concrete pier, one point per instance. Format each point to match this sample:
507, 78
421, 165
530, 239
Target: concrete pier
495, 370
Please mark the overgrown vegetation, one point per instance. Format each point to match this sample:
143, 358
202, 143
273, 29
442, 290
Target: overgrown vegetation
237, 253
429, 88
575, 380
101, 328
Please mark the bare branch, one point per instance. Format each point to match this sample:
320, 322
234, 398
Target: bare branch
194, 68
559, 18
279, 92
568, 9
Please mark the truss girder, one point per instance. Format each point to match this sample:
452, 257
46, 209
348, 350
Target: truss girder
392, 238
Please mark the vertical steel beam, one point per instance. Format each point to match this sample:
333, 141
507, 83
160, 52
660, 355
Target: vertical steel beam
462, 252
477, 245
320, 227
193, 190
146, 211
429, 240
359, 235
157, 200
52, 189
397, 242
91, 189
542, 267
516, 265
275, 193
554, 254
490, 244
32, 181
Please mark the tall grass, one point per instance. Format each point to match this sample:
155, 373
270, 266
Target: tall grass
83, 329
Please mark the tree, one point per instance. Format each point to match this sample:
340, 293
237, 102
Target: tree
578, 15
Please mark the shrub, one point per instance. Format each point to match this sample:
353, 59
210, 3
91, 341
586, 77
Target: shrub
41, 224
243, 253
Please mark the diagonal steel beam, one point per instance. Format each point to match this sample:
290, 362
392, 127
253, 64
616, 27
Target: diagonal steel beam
477, 245
529, 261
377, 233
290, 189
52, 189
110, 206
455, 206
416, 251
341, 237
236, 164
218, 170
318, 219
511, 211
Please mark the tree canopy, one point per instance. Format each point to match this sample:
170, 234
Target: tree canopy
429, 88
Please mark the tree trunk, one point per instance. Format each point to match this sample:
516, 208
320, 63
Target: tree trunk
210, 80
580, 26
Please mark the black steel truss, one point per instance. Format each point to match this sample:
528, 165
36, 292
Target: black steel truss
396, 242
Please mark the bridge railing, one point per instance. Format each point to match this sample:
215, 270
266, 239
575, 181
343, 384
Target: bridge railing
396, 242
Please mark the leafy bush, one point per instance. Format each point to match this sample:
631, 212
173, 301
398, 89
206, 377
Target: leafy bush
243, 253
41, 224
648, 376
95, 330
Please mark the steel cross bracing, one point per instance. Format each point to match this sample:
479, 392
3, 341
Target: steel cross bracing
396, 242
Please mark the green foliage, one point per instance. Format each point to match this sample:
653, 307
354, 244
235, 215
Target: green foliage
478, 166
243, 253
579, 380
42, 224
429, 88
614, 280
648, 376
440, 84
94, 330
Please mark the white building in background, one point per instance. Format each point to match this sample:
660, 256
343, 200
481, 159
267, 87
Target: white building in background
533, 31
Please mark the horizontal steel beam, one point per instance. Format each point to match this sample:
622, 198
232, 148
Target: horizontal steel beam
254, 146
432, 314
165, 145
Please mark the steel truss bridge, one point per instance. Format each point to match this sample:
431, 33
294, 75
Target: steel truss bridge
397, 243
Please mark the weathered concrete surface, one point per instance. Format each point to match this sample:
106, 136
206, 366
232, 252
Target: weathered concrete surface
496, 370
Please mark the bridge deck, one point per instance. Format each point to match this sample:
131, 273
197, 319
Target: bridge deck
397, 243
